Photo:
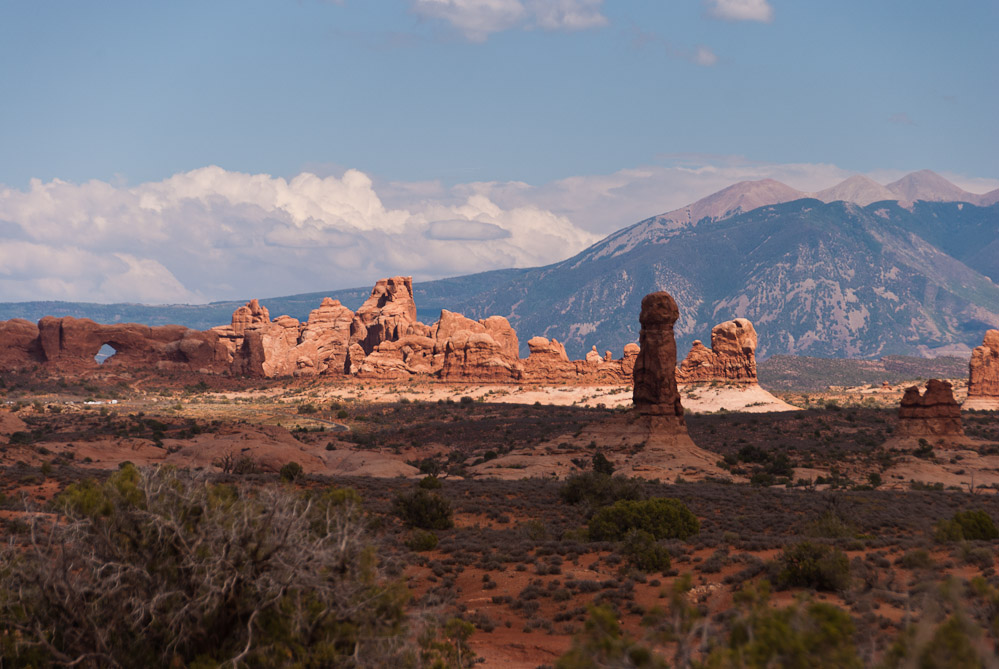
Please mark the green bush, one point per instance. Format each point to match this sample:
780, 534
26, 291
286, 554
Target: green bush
421, 540
601, 465
290, 472
424, 509
661, 517
644, 553
976, 525
597, 489
430, 483
812, 565
966, 526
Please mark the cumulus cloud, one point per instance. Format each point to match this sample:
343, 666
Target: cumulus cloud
477, 19
741, 10
212, 234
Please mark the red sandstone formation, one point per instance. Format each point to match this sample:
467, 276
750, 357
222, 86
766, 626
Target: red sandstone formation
655, 392
731, 358
983, 381
935, 413
382, 339
71, 344
388, 315
19, 345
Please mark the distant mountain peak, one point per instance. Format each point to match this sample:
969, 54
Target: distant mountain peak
738, 198
929, 186
857, 189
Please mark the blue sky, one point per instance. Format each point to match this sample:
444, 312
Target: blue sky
431, 99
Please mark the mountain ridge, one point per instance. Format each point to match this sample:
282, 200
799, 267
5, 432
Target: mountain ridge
928, 271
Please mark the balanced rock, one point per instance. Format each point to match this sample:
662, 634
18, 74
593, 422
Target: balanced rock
934, 413
983, 381
731, 358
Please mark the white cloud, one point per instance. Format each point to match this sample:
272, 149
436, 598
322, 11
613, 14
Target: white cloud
705, 56
567, 14
741, 10
211, 234
214, 234
477, 19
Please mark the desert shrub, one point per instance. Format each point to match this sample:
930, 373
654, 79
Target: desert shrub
307, 408
597, 489
976, 525
20, 438
830, 526
446, 646
816, 636
661, 517
602, 643
601, 465
952, 646
424, 509
811, 565
140, 572
421, 540
430, 483
290, 471
644, 553
917, 558
966, 526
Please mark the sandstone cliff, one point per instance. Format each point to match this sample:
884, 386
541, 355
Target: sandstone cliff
934, 413
983, 381
731, 358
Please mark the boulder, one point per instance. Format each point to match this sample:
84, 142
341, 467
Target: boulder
934, 413
731, 358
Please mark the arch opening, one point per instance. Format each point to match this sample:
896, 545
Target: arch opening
106, 353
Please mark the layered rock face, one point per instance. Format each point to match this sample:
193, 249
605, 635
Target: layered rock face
547, 362
388, 315
934, 413
71, 344
655, 392
382, 339
454, 348
731, 358
983, 382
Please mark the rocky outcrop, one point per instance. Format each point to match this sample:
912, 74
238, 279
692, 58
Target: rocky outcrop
983, 377
71, 345
388, 315
731, 358
655, 391
655, 434
934, 413
382, 339
19, 344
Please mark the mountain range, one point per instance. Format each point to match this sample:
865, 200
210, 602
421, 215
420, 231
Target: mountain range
857, 270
